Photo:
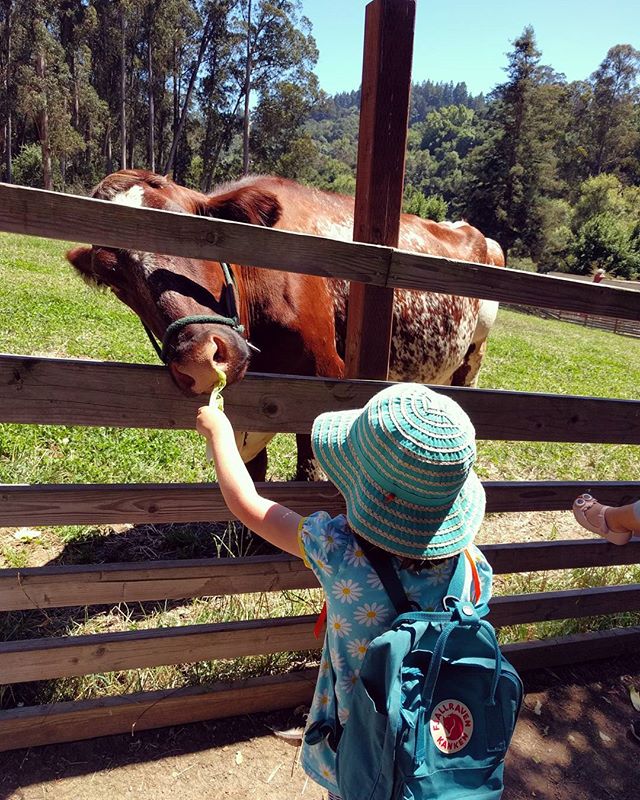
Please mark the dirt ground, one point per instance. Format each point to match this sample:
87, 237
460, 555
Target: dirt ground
571, 743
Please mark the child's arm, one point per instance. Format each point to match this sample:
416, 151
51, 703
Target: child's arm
272, 521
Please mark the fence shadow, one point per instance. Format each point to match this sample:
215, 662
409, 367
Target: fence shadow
571, 742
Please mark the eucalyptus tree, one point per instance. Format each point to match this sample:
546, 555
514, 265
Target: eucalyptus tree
516, 165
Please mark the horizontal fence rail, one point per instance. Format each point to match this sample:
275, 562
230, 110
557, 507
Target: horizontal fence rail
71, 721
57, 216
42, 659
85, 719
98, 584
78, 392
93, 504
624, 327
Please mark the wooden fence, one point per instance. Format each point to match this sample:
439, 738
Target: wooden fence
623, 327
76, 392
73, 392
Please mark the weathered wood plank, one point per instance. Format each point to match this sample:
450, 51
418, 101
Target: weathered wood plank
37, 212
570, 554
95, 584
50, 504
69, 504
76, 392
72, 721
575, 649
41, 659
574, 603
408, 270
382, 144
34, 726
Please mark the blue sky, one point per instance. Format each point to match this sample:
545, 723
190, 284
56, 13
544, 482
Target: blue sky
466, 40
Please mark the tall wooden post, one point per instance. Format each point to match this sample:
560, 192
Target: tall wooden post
384, 115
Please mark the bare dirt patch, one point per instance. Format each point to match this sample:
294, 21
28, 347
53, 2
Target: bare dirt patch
571, 743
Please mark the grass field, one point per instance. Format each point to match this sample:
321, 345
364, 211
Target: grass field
45, 309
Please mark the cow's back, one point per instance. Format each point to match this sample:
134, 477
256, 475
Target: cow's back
431, 332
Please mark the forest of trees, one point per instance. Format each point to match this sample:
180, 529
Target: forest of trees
208, 89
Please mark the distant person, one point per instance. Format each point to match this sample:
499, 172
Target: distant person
598, 275
617, 524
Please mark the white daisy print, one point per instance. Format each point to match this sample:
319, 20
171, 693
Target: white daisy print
355, 555
347, 590
340, 626
439, 574
358, 647
373, 580
371, 614
324, 567
324, 666
323, 700
350, 680
328, 775
337, 661
330, 540
343, 715
413, 595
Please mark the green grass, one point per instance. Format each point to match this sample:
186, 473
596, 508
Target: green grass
46, 309
528, 354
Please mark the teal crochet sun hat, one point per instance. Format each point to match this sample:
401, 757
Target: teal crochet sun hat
404, 464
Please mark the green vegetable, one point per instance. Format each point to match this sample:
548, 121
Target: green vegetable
216, 395
217, 399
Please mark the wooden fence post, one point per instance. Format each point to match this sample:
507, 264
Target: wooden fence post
384, 115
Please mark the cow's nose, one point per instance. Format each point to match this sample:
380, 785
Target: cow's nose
196, 377
182, 379
195, 372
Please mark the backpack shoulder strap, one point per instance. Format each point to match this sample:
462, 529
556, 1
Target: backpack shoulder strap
458, 582
389, 578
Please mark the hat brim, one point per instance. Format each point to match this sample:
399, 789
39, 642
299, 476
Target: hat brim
396, 525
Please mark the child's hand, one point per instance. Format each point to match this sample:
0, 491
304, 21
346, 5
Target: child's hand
210, 421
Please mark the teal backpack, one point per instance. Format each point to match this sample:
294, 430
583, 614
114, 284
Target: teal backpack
435, 707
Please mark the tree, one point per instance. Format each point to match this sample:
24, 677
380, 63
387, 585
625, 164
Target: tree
613, 134
283, 54
603, 242
516, 165
247, 95
432, 207
44, 86
212, 11
447, 135
6, 66
277, 141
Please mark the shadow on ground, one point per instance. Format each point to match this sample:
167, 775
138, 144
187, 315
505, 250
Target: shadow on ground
571, 743
131, 544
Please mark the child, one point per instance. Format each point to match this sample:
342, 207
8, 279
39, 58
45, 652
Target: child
617, 524
404, 466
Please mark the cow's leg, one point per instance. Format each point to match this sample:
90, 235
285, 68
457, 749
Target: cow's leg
252, 447
467, 372
327, 364
306, 468
257, 467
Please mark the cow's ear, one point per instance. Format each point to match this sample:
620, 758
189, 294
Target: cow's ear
80, 258
246, 204
95, 265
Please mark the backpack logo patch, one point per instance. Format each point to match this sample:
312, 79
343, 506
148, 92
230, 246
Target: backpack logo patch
451, 726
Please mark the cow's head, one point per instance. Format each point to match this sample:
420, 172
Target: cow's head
162, 289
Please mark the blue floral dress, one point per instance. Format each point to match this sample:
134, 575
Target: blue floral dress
358, 610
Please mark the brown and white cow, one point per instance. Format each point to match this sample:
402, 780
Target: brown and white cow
297, 321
